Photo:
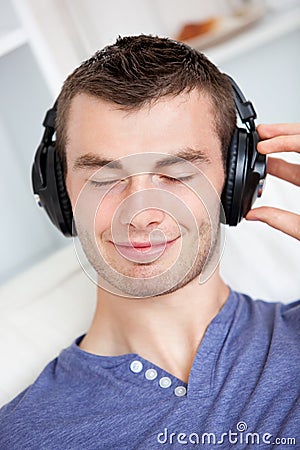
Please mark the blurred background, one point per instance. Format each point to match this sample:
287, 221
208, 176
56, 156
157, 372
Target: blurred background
42, 41
45, 298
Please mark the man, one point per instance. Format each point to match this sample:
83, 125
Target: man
143, 129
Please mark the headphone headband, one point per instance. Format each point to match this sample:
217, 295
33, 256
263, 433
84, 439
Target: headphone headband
244, 107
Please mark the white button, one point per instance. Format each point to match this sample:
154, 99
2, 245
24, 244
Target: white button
165, 382
151, 374
136, 366
180, 391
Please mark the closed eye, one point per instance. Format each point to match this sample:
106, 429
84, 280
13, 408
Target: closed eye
164, 177
104, 183
178, 179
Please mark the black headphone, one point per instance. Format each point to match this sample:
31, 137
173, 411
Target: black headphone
246, 171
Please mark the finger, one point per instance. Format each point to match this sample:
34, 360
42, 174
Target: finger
284, 170
267, 131
280, 144
277, 218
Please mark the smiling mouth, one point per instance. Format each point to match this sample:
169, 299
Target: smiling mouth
140, 250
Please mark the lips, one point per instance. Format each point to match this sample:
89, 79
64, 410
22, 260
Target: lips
143, 244
142, 251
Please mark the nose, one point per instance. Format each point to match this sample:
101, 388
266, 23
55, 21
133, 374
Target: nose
147, 218
140, 210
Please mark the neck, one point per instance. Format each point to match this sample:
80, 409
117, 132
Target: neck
167, 330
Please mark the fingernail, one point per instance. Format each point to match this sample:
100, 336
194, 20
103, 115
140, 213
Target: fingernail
252, 216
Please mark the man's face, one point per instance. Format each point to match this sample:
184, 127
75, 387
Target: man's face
145, 231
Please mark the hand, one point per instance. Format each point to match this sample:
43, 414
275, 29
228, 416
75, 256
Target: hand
279, 138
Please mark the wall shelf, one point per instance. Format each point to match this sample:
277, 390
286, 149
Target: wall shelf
274, 25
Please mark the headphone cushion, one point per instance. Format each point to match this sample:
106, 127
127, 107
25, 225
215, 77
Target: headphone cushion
64, 199
227, 194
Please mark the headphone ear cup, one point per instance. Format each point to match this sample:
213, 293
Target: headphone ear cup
255, 173
227, 193
49, 185
233, 192
64, 199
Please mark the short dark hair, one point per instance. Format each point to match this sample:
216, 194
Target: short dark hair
138, 70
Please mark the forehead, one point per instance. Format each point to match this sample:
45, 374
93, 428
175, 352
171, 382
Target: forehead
98, 127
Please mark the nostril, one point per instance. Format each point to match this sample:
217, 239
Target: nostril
147, 217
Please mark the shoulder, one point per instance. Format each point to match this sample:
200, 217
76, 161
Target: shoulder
265, 321
268, 311
26, 412
42, 383
263, 341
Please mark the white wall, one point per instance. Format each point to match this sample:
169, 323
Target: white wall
99, 23
25, 234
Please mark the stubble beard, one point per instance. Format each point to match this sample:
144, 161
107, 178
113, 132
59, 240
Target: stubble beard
151, 280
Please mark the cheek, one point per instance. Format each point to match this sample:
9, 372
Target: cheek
74, 187
198, 210
203, 200
92, 211
103, 216
219, 181
214, 175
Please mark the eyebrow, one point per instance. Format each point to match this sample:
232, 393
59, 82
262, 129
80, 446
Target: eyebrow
91, 160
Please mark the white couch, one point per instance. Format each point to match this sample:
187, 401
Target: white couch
41, 312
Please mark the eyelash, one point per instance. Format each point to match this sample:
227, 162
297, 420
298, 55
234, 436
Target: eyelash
170, 179
178, 179
103, 183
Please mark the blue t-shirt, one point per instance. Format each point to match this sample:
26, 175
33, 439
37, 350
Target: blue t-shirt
243, 392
